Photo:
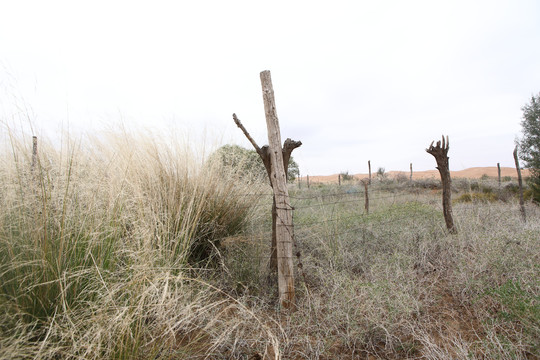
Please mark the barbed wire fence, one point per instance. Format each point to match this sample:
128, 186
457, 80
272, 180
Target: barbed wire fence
330, 214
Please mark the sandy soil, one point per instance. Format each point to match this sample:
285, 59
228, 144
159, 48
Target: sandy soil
470, 173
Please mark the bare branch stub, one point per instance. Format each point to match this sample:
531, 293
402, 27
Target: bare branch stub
440, 153
288, 147
246, 133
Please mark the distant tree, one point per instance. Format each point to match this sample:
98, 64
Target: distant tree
293, 171
529, 145
345, 176
246, 163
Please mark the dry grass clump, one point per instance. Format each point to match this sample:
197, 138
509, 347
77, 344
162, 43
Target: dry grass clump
98, 243
394, 284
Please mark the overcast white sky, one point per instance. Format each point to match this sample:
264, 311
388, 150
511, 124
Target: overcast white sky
353, 80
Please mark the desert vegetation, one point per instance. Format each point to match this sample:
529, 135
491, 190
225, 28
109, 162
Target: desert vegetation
130, 247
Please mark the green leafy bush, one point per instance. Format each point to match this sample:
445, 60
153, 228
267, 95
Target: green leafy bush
246, 164
345, 176
477, 197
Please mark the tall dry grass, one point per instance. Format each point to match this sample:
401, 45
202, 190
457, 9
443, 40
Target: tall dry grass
101, 245
129, 246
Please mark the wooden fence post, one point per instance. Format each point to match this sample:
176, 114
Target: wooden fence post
339, 179
369, 167
441, 156
520, 182
264, 153
499, 173
410, 178
284, 226
366, 195
34, 152
307, 179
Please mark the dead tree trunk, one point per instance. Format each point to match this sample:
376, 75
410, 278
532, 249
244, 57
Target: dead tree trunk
440, 153
520, 182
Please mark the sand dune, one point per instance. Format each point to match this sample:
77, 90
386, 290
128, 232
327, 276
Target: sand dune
470, 173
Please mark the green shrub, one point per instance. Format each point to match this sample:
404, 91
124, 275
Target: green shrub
246, 164
512, 188
431, 184
518, 303
487, 189
401, 178
345, 176
477, 197
528, 194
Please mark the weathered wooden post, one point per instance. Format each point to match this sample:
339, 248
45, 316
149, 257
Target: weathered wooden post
410, 178
339, 179
499, 173
520, 182
276, 160
34, 152
307, 179
369, 167
365, 182
441, 156
288, 146
278, 177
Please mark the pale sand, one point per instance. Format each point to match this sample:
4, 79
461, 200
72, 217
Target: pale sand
471, 173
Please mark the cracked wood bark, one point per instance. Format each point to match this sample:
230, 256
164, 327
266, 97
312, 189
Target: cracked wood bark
288, 147
440, 153
520, 182
284, 226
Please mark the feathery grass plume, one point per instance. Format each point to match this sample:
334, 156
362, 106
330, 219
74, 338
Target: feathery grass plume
96, 242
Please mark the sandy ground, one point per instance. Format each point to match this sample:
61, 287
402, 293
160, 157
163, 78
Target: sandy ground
470, 173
